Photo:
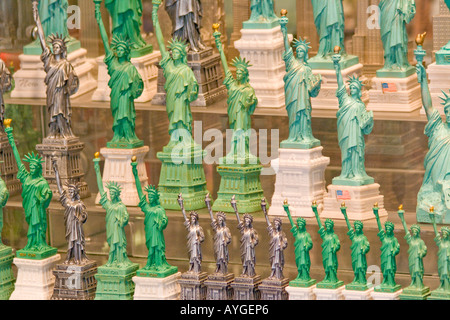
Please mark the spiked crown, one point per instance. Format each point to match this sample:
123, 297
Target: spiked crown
59, 39
445, 99
114, 186
33, 158
301, 44
354, 80
241, 63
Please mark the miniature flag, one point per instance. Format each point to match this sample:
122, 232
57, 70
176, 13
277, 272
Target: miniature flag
343, 195
389, 87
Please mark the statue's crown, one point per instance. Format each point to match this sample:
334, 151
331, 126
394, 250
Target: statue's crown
302, 44
355, 81
445, 99
58, 38
177, 43
114, 186
33, 158
119, 40
152, 191
241, 63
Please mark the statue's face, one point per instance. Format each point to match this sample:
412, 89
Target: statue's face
445, 234
114, 194
72, 193
329, 226
240, 75
388, 229
247, 222
220, 220
277, 224
447, 114
176, 54
414, 232
57, 49
358, 228
354, 91
193, 219
120, 51
301, 55
34, 168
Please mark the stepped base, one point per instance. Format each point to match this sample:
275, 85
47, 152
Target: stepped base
247, 288
357, 295
166, 288
329, 294
219, 287
115, 283
274, 289
301, 293
7, 277
193, 286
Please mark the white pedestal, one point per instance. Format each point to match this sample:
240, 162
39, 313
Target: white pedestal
403, 94
299, 165
358, 200
264, 48
297, 293
386, 295
30, 77
357, 295
157, 288
118, 169
35, 279
327, 100
147, 68
439, 78
329, 294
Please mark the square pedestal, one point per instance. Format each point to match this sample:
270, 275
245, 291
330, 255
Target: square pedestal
8, 167
386, 295
219, 287
6, 273
75, 282
439, 295
415, 294
193, 286
166, 288
182, 172
146, 67
292, 166
439, 81
395, 94
118, 169
358, 199
68, 153
35, 279
326, 100
357, 295
274, 289
298, 293
264, 49
247, 288
30, 77
329, 294
207, 70
243, 182
115, 283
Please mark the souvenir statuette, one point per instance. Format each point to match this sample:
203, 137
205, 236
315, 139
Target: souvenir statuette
300, 155
37, 257
239, 161
435, 189
358, 288
114, 278
274, 286
182, 157
6, 84
218, 283
442, 240
390, 248
416, 252
261, 12
192, 282
353, 123
6, 256
246, 285
74, 278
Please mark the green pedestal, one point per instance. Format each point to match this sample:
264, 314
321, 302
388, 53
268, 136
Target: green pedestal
36, 255
241, 181
330, 285
443, 55
115, 283
300, 145
439, 294
6, 274
182, 172
301, 283
35, 49
357, 287
125, 145
153, 273
415, 294
383, 73
320, 63
263, 24
387, 289
137, 53
363, 181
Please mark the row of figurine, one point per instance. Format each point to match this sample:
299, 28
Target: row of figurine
301, 84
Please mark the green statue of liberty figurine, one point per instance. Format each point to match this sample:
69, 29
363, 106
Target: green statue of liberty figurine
155, 223
37, 195
114, 278
394, 16
126, 17
442, 240
4, 196
390, 248
435, 189
262, 15
126, 85
330, 24
353, 122
330, 246
416, 252
303, 244
360, 247
6, 256
300, 85
53, 15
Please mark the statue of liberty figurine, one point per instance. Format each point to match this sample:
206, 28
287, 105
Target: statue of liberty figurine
126, 85
353, 122
416, 252
53, 14
394, 16
435, 189
300, 85
442, 240
360, 247
262, 15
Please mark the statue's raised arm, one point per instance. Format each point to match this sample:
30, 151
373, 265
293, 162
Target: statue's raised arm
9, 134
37, 19
157, 27
134, 170
101, 189
103, 33
219, 46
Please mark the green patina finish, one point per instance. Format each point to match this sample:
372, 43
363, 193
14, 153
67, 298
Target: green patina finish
115, 283
262, 15
6, 273
155, 223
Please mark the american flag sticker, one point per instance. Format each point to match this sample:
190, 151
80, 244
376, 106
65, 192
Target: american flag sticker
343, 195
389, 87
